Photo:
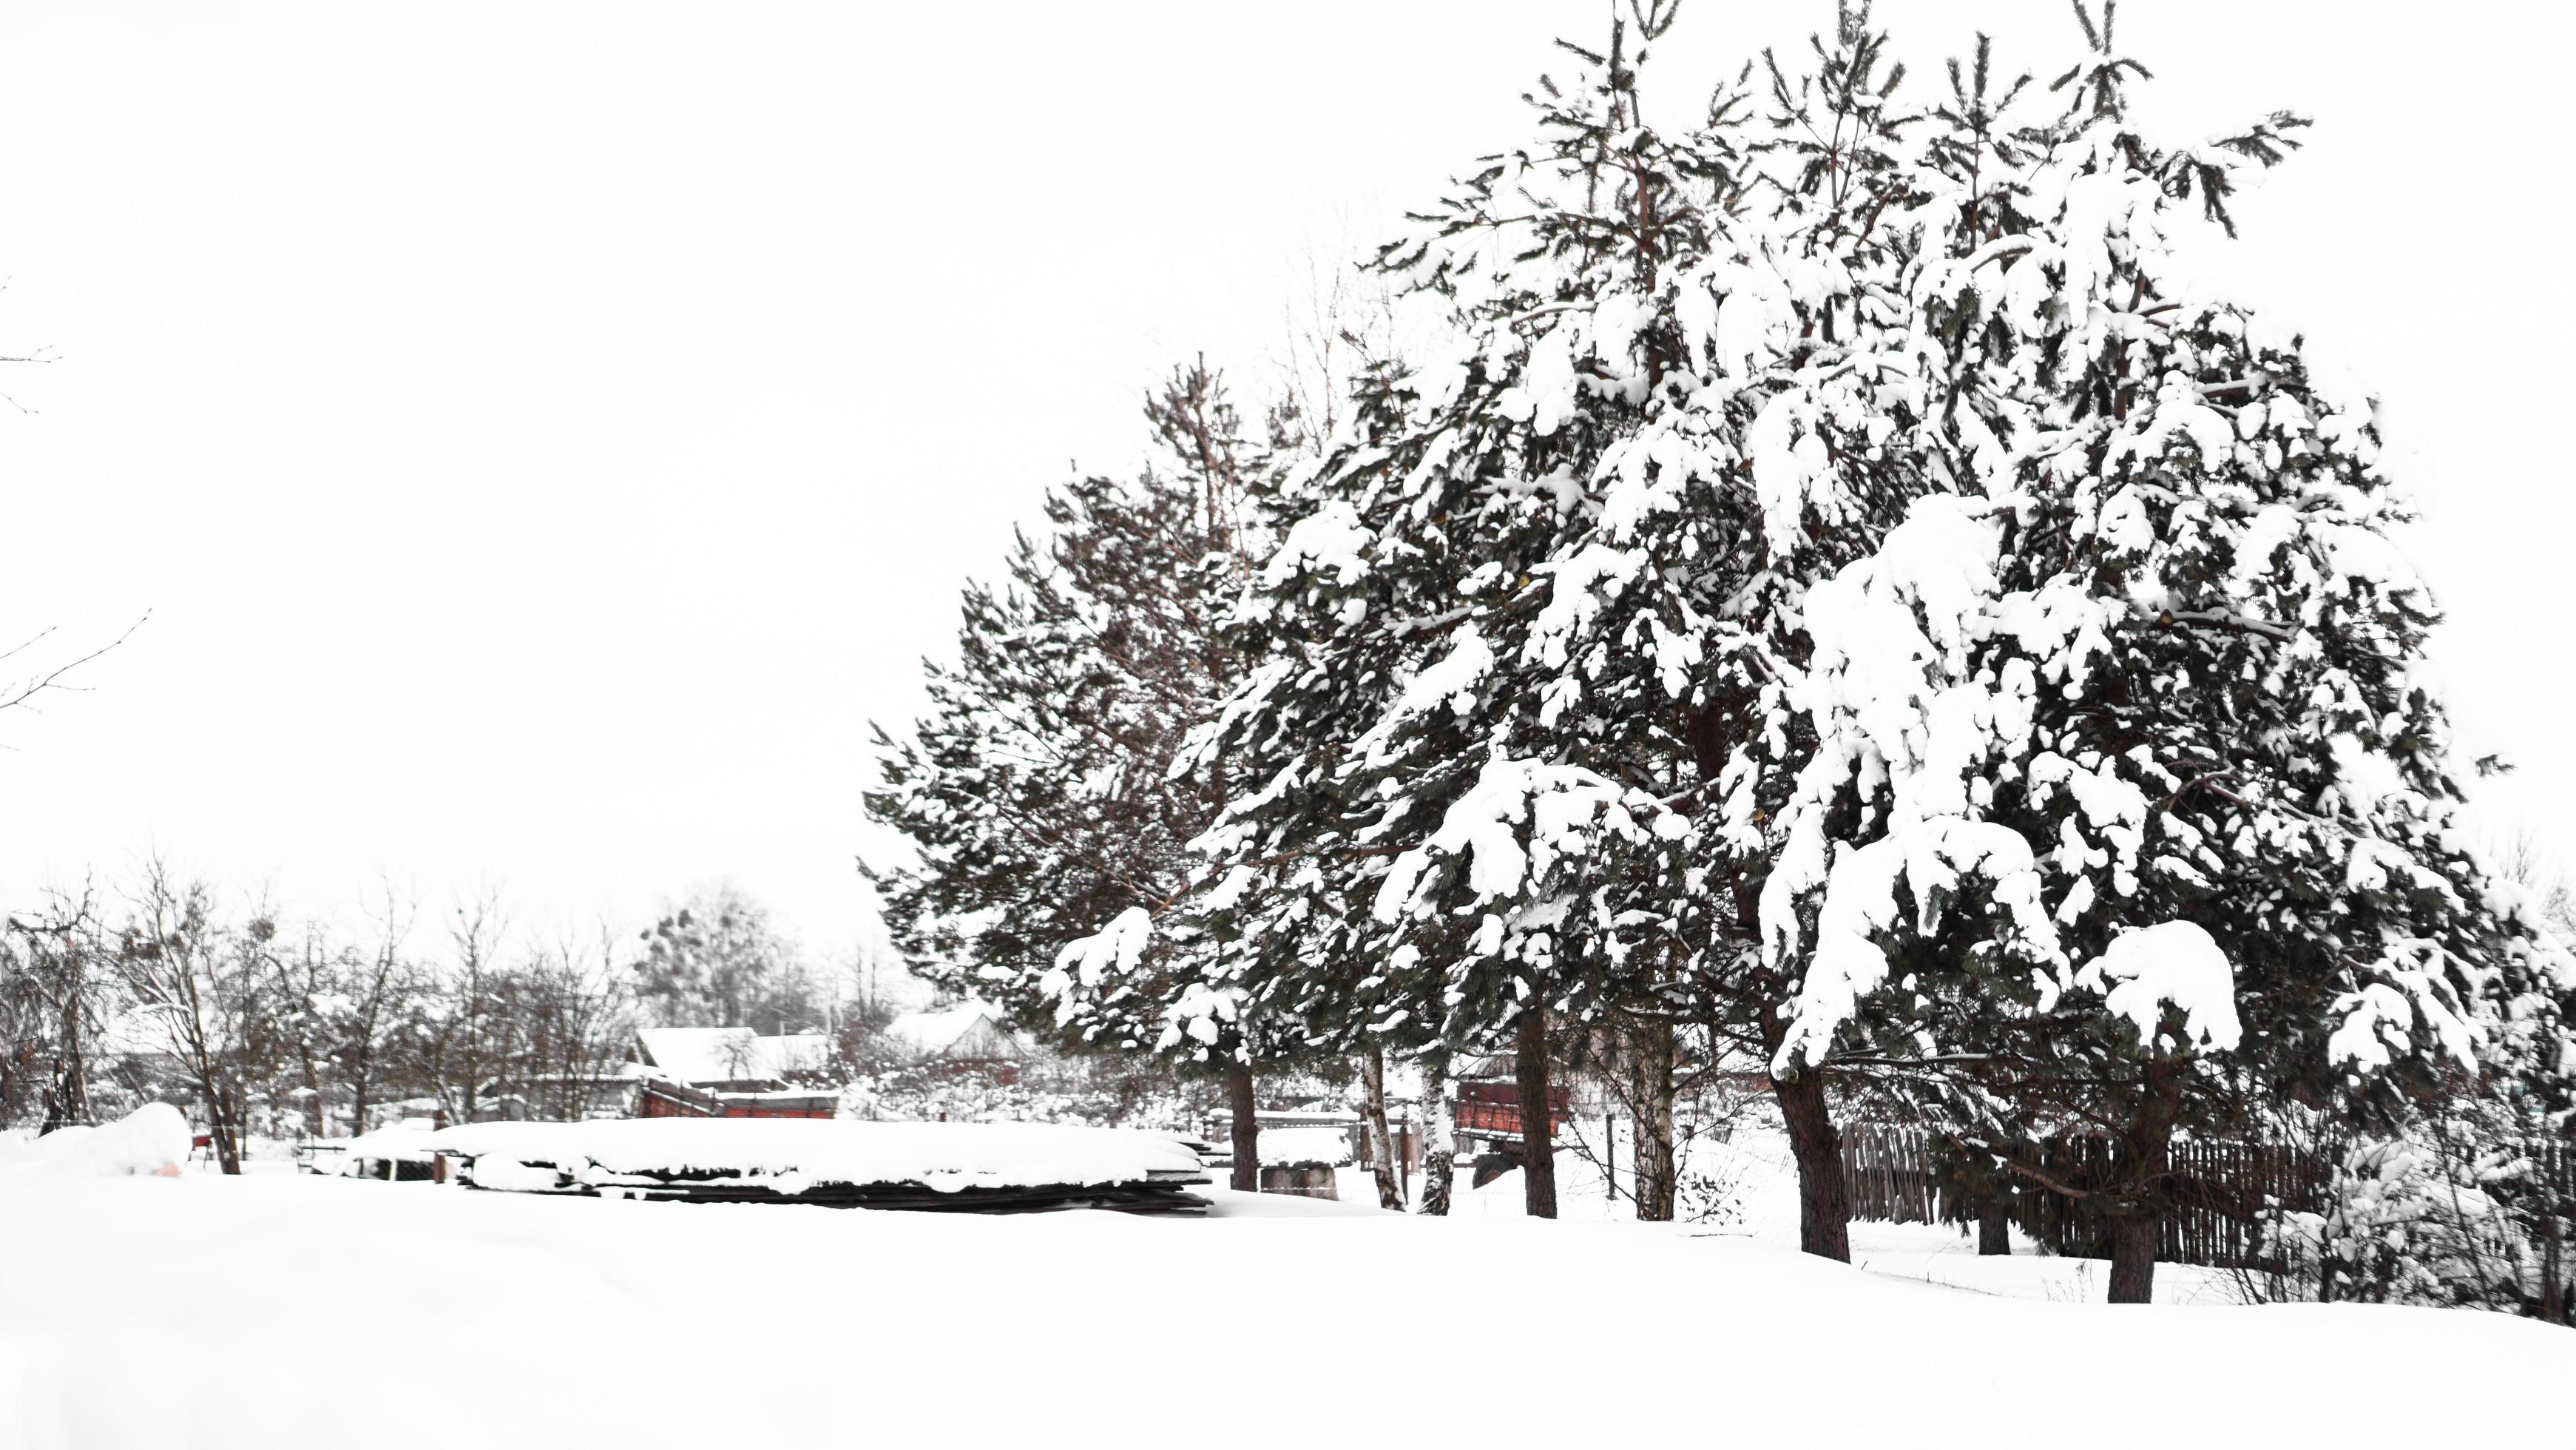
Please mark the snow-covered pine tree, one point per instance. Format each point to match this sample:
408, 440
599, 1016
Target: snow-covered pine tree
2130, 796
1810, 402
1433, 849
1038, 794
1773, 448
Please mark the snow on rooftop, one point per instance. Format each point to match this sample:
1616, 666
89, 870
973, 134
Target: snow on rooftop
791, 1154
732, 1054
944, 1031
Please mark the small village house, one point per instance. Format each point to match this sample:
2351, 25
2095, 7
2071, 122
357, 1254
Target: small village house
961, 1036
732, 1072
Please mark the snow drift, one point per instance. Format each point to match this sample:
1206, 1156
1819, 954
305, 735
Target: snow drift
153, 1139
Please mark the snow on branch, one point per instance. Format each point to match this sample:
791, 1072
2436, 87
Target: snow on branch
2172, 962
1113, 950
1517, 822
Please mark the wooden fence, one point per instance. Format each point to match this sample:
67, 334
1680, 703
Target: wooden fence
2221, 1197
2221, 1191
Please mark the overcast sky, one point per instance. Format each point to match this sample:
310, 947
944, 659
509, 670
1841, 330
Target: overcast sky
545, 437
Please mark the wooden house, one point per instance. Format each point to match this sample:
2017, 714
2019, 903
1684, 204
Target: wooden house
732, 1072
1487, 1111
965, 1036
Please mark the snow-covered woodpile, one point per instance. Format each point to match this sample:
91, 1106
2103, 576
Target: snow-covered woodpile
972, 1167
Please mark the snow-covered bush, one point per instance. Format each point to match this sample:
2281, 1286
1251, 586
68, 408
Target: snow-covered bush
2448, 1215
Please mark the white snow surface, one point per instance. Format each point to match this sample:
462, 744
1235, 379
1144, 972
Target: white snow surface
2171, 962
154, 1139
219, 1312
793, 1153
1294, 1147
403, 1142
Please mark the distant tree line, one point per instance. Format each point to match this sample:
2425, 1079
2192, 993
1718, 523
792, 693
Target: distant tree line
264, 1022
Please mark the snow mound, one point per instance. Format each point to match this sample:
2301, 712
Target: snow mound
1305, 1147
153, 1139
791, 1155
402, 1143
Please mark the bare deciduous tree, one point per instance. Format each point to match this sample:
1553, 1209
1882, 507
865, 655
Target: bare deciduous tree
53, 1006
205, 991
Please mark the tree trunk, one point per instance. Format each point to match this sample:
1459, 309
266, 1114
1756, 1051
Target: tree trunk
1439, 1137
1650, 1101
67, 1100
362, 1079
224, 1126
1824, 1203
2553, 1275
1538, 1126
1247, 1129
314, 1124
2137, 1228
2133, 1257
1381, 1141
1994, 1225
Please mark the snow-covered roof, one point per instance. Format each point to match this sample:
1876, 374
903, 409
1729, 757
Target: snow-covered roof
732, 1054
791, 1154
968, 1029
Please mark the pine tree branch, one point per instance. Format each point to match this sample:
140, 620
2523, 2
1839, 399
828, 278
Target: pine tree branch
2215, 619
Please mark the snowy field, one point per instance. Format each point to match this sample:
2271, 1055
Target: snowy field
281, 1311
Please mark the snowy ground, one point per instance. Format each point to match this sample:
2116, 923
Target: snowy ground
1756, 1197
280, 1311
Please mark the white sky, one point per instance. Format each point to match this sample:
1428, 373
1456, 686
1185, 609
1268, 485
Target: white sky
545, 437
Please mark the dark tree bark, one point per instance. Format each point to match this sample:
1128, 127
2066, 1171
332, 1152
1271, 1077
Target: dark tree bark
224, 1126
1650, 1103
2133, 1257
1538, 1125
313, 1102
1246, 1127
2137, 1223
67, 1097
1824, 1202
1994, 1226
1381, 1139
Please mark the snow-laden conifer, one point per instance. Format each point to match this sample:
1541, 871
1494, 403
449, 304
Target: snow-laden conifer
1438, 844
2129, 792
1038, 792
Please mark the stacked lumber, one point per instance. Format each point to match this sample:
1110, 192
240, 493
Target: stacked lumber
938, 1167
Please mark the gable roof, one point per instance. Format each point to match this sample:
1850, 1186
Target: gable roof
731, 1054
972, 1031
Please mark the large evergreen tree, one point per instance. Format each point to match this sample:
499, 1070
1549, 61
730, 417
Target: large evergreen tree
1522, 722
1038, 792
2130, 793
1443, 848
